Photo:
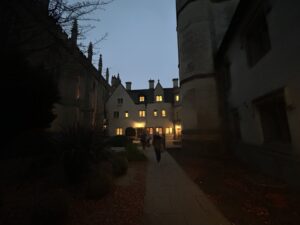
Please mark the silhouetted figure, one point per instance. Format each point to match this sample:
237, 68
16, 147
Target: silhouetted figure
144, 140
157, 144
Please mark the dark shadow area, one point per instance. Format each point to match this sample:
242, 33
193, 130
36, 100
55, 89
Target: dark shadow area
245, 196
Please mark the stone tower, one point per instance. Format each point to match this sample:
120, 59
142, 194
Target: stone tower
196, 30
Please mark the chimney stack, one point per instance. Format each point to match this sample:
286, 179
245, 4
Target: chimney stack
175, 83
151, 84
128, 86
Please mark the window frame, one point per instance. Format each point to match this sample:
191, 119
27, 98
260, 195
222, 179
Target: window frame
126, 114
159, 98
116, 115
119, 131
142, 113
257, 37
120, 101
142, 98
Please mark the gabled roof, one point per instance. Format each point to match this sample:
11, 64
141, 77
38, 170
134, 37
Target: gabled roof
149, 95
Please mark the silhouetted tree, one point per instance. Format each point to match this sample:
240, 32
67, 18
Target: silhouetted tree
28, 95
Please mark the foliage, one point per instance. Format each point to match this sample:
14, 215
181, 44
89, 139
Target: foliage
30, 94
119, 141
82, 147
51, 208
130, 132
133, 154
98, 185
119, 164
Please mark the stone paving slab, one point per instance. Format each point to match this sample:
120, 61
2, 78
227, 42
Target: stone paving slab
172, 198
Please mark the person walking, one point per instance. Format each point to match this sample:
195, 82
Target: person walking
157, 144
144, 140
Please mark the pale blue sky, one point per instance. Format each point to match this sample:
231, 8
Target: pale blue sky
141, 42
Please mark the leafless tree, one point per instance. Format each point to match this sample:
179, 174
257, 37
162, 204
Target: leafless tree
66, 11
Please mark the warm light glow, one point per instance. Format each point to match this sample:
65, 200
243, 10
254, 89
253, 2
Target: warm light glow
142, 98
139, 125
163, 113
159, 130
155, 113
169, 130
177, 98
178, 130
178, 127
142, 113
126, 114
119, 131
159, 98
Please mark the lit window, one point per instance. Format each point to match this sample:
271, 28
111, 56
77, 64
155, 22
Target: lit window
159, 98
155, 113
116, 114
177, 98
169, 130
120, 100
119, 131
142, 98
163, 113
150, 130
159, 130
126, 114
142, 113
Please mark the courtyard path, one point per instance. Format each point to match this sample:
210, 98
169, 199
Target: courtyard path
172, 198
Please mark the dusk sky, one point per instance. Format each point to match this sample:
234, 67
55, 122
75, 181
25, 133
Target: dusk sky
141, 42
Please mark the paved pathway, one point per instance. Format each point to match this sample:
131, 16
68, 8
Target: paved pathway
172, 198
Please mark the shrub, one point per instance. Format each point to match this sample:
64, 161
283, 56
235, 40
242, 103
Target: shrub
130, 132
133, 154
51, 208
119, 141
99, 184
82, 148
119, 164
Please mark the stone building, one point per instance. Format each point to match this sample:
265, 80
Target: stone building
259, 80
201, 25
82, 88
153, 109
240, 82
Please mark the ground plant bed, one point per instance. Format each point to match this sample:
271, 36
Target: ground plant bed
244, 196
123, 205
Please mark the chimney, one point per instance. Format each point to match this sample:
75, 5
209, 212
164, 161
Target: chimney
175, 83
128, 86
151, 84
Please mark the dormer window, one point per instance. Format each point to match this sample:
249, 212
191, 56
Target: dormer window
142, 98
120, 101
177, 98
159, 98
